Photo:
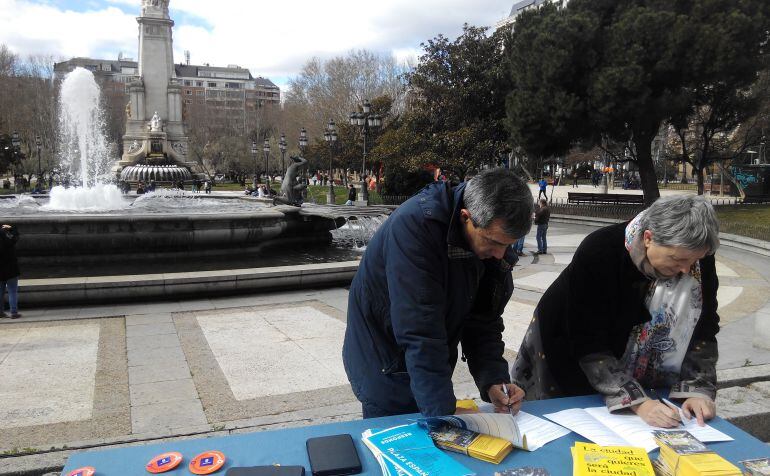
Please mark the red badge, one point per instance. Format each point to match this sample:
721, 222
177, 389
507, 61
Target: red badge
207, 463
85, 471
164, 462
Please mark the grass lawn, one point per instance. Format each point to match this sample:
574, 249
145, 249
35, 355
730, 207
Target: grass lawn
747, 220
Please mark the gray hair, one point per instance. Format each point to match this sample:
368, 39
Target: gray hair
500, 194
687, 221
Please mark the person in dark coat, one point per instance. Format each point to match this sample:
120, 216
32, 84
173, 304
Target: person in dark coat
636, 308
435, 274
9, 270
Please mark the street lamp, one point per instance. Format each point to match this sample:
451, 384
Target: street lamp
365, 120
302, 141
266, 150
38, 143
302, 146
330, 136
16, 143
282, 146
254, 156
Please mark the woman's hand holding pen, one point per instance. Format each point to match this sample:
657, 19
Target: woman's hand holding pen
657, 413
506, 398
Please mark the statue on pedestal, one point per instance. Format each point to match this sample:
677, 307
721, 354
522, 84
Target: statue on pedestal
291, 191
155, 125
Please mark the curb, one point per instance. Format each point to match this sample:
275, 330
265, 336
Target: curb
57, 291
735, 241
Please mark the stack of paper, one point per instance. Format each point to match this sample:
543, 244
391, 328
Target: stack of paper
524, 430
757, 467
594, 460
681, 454
487, 448
408, 450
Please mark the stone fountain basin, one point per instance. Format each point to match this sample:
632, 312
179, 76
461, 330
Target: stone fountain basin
73, 236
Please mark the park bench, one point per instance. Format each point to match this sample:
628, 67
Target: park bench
613, 198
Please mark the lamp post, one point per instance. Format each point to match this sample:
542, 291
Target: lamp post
365, 120
282, 146
16, 143
38, 143
266, 150
330, 136
302, 141
302, 146
254, 156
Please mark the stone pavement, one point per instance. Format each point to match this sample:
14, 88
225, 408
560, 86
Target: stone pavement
83, 377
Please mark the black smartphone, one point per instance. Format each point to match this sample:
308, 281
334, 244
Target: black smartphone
333, 455
267, 471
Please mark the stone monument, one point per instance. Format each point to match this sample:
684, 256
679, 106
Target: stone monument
154, 128
291, 191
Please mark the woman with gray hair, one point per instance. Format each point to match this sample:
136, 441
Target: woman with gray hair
635, 309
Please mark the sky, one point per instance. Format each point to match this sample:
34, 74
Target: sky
272, 39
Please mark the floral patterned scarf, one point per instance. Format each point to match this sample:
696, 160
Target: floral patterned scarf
656, 348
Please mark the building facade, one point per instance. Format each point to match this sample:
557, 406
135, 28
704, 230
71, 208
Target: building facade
231, 93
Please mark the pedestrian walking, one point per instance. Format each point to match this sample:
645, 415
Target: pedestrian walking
518, 247
351, 195
9, 270
543, 186
542, 215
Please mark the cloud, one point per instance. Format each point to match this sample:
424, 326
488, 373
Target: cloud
272, 39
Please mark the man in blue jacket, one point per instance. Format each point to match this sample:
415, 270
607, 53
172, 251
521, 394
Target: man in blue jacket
437, 274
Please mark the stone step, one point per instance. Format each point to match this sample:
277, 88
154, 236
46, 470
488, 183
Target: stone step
747, 407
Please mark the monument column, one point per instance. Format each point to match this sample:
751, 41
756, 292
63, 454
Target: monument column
156, 145
156, 59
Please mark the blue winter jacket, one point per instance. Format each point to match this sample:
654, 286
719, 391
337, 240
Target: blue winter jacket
418, 292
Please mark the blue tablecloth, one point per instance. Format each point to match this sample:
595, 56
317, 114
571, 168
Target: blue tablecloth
287, 447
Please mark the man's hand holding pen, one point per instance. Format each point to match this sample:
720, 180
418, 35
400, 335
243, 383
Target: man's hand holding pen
506, 398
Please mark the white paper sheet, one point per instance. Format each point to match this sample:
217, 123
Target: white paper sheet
608, 429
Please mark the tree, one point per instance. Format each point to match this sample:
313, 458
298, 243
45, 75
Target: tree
455, 118
723, 79
28, 106
599, 71
332, 89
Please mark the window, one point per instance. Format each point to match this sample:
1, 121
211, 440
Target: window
212, 85
188, 92
199, 84
187, 82
199, 93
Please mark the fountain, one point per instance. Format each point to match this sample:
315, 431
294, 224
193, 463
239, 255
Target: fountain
87, 228
85, 156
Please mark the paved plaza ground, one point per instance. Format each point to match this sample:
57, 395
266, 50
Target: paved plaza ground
79, 377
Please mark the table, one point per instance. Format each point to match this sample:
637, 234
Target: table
287, 446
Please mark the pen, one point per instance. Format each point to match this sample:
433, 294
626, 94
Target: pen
505, 391
673, 408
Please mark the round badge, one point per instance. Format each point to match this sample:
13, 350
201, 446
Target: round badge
85, 471
164, 462
207, 463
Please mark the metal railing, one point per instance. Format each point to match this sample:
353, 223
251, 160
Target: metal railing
388, 199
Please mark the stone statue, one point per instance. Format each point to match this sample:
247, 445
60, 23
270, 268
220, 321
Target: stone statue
155, 123
134, 147
291, 191
155, 3
128, 110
